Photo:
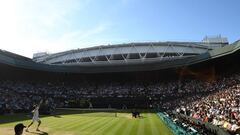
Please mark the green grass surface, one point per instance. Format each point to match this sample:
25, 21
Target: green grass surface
96, 123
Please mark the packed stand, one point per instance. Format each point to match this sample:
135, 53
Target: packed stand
219, 105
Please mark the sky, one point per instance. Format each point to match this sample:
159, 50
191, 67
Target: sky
30, 26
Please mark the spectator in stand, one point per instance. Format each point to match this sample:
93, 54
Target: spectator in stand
19, 129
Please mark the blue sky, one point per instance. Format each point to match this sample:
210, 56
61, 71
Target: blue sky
29, 26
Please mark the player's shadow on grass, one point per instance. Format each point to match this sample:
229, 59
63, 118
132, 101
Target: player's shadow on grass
142, 117
8, 118
38, 133
57, 116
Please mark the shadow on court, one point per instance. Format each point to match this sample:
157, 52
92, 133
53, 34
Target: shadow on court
8, 118
57, 116
71, 111
38, 133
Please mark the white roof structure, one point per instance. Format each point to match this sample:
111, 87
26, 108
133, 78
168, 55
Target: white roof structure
128, 53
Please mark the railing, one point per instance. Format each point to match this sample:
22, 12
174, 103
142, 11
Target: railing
208, 126
174, 127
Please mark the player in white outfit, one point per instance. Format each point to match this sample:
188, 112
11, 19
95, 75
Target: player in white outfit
35, 116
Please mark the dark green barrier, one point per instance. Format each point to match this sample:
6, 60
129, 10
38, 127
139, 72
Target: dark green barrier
210, 127
176, 129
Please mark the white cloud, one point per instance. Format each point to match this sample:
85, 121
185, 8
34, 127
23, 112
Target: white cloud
77, 37
29, 26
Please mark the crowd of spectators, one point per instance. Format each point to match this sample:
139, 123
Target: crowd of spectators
218, 105
18, 96
221, 109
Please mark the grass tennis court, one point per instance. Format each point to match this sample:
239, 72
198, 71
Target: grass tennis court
94, 123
